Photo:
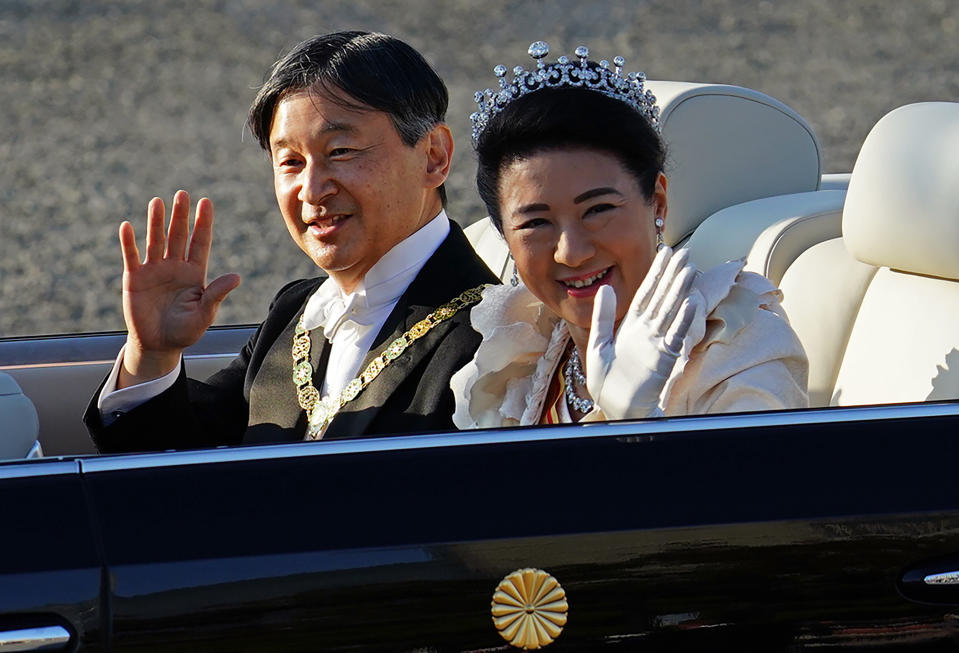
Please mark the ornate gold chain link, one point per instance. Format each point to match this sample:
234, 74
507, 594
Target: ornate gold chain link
321, 411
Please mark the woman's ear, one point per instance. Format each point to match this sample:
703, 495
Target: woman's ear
659, 197
439, 154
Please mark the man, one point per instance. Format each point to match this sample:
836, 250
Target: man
354, 125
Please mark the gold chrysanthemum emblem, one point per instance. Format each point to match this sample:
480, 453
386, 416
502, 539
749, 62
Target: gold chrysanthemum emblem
529, 608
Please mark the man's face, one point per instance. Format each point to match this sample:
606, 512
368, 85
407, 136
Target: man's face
348, 187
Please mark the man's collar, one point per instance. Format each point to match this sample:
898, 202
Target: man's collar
411, 252
384, 284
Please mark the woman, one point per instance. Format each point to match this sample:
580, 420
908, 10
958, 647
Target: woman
607, 323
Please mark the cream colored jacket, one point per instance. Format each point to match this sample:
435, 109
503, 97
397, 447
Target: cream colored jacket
740, 354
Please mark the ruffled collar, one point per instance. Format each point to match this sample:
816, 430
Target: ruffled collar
505, 384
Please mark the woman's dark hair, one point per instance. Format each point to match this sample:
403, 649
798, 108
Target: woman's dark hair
560, 118
378, 71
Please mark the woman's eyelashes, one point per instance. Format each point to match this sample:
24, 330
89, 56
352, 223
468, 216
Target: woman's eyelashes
602, 207
593, 210
532, 223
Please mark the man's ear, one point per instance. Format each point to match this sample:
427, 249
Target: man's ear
439, 154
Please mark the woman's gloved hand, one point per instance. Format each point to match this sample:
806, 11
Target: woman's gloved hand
627, 369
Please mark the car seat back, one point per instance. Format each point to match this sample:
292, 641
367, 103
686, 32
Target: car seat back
728, 145
878, 309
19, 424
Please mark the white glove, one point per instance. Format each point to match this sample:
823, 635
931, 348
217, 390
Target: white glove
626, 371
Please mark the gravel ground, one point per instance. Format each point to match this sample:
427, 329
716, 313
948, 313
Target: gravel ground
106, 104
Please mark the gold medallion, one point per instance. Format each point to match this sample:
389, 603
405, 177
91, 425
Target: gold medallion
529, 609
320, 412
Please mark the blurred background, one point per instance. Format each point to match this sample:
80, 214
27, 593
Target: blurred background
107, 104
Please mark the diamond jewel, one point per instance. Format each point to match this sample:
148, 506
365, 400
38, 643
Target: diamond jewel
538, 49
605, 76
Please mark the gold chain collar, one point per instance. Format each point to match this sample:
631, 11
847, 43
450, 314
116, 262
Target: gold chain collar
321, 411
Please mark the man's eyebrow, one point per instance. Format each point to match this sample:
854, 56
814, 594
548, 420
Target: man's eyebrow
337, 127
327, 128
595, 192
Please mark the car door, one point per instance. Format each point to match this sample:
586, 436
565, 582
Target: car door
60, 373
787, 531
50, 564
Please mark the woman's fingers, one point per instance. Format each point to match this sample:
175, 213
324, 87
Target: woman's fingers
673, 340
601, 338
603, 323
179, 230
156, 240
650, 281
677, 291
673, 270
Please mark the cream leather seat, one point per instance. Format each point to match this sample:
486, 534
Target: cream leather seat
878, 308
19, 424
728, 147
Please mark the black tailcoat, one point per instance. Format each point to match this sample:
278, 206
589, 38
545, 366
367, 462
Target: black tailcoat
253, 400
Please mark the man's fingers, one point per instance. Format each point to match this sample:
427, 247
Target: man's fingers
179, 230
128, 247
217, 291
202, 236
645, 292
156, 240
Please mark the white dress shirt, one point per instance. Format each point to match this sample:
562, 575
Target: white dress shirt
350, 321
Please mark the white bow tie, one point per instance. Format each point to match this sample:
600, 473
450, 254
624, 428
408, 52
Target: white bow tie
346, 314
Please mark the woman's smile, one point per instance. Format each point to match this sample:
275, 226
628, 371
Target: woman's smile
575, 220
586, 285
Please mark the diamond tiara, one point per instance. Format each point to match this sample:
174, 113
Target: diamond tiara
609, 81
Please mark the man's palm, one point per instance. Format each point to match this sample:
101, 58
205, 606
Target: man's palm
167, 305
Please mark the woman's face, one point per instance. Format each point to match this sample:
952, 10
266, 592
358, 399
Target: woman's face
574, 220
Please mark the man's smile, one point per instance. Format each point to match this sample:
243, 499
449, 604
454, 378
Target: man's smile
327, 225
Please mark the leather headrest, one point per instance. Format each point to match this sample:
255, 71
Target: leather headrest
19, 424
902, 208
727, 145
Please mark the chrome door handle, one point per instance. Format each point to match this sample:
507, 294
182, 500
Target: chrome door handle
942, 578
45, 638
935, 581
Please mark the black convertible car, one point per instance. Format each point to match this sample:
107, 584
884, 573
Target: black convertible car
830, 527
